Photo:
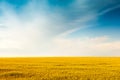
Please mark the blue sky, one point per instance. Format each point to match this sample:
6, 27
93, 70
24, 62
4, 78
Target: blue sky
59, 28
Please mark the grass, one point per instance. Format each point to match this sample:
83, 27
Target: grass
60, 68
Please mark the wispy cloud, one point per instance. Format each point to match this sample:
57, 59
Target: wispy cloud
109, 9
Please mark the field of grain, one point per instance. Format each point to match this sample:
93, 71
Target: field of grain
60, 68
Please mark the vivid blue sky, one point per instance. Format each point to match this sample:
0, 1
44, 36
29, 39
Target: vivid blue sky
59, 27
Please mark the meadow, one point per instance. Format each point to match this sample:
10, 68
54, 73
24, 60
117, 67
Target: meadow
60, 68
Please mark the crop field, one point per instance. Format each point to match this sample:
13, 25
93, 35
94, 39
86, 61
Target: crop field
60, 68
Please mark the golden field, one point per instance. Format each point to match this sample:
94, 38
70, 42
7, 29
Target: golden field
60, 68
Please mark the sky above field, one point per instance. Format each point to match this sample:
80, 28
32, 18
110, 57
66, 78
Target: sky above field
59, 28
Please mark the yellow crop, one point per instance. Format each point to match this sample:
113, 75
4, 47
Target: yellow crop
60, 68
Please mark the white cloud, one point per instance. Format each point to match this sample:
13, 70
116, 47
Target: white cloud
99, 46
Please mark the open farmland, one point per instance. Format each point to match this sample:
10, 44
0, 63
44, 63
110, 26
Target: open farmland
60, 68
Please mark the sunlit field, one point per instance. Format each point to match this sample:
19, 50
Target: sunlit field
60, 68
